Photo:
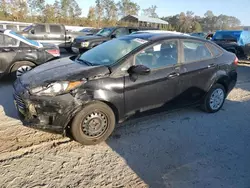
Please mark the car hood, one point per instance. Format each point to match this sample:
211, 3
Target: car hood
88, 38
64, 69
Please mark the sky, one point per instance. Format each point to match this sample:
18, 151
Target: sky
237, 8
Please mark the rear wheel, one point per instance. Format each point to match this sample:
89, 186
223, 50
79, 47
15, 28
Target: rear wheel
20, 68
94, 124
214, 99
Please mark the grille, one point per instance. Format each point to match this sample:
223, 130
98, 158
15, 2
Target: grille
19, 101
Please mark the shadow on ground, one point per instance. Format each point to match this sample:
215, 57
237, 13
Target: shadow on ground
188, 148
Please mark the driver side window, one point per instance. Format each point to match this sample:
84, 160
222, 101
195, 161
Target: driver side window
159, 56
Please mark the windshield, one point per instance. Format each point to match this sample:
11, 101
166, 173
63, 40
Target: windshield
86, 30
24, 39
105, 32
234, 36
110, 52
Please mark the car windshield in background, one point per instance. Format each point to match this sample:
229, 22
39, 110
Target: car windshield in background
22, 38
231, 36
86, 30
202, 35
110, 52
105, 32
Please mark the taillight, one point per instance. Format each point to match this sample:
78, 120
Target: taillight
236, 61
54, 52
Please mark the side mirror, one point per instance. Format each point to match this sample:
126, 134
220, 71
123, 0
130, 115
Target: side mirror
139, 69
113, 36
32, 31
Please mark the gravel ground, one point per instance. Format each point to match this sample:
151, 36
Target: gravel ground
185, 148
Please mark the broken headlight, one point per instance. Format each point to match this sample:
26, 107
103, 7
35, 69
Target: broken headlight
56, 88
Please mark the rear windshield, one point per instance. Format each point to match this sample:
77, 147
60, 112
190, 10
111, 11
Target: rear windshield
24, 39
229, 35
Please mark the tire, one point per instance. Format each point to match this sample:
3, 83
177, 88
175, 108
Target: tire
94, 130
209, 106
17, 65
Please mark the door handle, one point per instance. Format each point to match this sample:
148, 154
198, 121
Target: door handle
173, 75
211, 65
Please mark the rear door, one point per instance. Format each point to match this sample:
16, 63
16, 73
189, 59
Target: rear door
197, 70
57, 34
8, 51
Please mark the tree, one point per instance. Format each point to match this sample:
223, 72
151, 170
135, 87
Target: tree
127, 7
110, 10
91, 19
18, 9
36, 7
150, 12
197, 27
3, 9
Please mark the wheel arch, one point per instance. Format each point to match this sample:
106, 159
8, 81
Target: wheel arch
20, 62
223, 80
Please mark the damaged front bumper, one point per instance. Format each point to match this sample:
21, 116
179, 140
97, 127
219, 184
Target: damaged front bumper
50, 114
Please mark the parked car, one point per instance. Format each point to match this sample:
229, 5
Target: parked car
19, 54
92, 92
51, 33
237, 42
84, 43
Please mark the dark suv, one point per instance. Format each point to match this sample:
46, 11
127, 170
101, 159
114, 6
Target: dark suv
90, 93
84, 43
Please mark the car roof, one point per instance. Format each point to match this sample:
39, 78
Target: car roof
162, 36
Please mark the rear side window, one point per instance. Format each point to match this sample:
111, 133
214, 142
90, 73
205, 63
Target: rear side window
1, 26
9, 41
195, 51
40, 29
215, 50
6, 41
55, 29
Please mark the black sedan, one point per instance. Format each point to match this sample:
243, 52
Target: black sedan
19, 54
89, 94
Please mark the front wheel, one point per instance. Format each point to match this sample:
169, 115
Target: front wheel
214, 99
94, 124
20, 68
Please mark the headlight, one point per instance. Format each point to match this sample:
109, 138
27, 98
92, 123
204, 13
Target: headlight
85, 44
56, 88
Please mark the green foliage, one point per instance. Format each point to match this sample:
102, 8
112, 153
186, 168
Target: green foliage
150, 12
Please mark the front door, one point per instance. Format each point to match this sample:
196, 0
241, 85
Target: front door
144, 92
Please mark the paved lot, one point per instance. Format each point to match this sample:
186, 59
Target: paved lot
186, 148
